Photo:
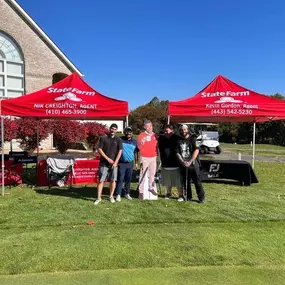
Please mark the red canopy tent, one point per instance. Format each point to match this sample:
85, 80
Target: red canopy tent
70, 98
224, 101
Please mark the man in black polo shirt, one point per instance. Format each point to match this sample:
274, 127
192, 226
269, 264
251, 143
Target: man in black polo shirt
170, 172
187, 152
110, 150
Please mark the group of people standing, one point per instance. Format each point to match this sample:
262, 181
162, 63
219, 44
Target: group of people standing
178, 157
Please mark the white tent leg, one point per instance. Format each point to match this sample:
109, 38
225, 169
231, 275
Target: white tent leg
127, 121
253, 145
3, 162
168, 119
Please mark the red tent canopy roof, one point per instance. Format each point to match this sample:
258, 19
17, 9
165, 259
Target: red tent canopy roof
70, 98
222, 100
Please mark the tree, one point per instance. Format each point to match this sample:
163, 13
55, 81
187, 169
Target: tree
155, 111
153, 102
268, 132
66, 132
10, 129
27, 132
278, 96
228, 132
93, 132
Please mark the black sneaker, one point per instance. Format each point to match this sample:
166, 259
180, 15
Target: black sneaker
201, 201
168, 196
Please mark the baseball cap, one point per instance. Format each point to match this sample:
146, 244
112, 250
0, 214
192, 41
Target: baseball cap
128, 129
183, 127
114, 126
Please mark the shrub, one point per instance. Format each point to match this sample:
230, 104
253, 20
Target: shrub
27, 132
10, 129
66, 132
93, 132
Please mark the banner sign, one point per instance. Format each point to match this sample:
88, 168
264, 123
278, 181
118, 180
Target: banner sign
18, 154
26, 160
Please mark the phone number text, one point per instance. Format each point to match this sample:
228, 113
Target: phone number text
231, 112
65, 112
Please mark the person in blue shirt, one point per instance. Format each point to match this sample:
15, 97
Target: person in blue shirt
126, 164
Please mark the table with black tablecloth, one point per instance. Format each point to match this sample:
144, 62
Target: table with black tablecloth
238, 170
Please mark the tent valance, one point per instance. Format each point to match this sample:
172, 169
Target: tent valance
70, 98
224, 101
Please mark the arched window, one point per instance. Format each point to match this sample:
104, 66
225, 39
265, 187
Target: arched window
11, 68
58, 76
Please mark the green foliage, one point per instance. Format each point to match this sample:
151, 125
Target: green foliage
154, 111
269, 132
278, 96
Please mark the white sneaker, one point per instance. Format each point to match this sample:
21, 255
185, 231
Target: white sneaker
127, 196
112, 200
118, 198
180, 199
97, 201
60, 183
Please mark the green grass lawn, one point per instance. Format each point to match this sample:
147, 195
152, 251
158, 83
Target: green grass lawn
260, 149
236, 237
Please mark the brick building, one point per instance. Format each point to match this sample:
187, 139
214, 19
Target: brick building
29, 59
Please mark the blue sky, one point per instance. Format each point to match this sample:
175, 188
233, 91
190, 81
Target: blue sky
137, 49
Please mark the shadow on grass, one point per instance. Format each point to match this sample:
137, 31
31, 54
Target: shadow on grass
79, 192
222, 181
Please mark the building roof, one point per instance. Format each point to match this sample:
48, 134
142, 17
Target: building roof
44, 36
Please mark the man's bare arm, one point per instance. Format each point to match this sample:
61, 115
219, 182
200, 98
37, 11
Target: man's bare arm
194, 155
180, 158
102, 153
117, 158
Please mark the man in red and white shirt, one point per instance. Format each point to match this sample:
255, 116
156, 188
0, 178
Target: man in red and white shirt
148, 147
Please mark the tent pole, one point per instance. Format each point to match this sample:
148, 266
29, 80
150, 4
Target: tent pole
253, 145
168, 120
3, 162
127, 121
38, 138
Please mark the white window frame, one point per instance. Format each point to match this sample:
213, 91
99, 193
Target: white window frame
5, 73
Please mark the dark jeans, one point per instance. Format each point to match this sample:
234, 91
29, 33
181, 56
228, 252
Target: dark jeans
124, 176
194, 176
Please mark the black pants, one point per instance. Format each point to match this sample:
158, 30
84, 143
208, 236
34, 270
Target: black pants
194, 176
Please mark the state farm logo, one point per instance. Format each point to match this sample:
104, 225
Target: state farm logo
72, 90
70, 96
224, 94
228, 100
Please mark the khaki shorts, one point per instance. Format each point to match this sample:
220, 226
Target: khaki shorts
171, 177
